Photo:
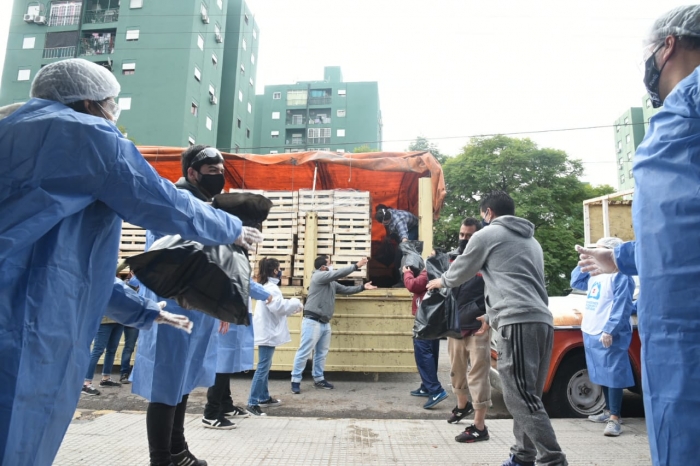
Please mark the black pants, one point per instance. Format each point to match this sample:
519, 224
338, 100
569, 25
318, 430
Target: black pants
166, 431
219, 399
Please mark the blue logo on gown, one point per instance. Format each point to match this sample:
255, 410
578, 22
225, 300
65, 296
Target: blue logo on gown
593, 297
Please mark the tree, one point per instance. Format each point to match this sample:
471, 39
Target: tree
422, 143
546, 188
122, 129
363, 148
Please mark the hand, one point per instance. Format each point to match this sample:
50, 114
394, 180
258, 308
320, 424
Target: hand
249, 238
369, 286
223, 327
176, 320
484, 325
301, 308
434, 284
596, 260
406, 269
404, 240
268, 300
361, 263
606, 340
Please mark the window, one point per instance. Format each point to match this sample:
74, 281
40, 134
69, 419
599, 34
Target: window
340, 133
251, 82
125, 103
242, 70
252, 59
220, 4
194, 109
200, 42
240, 96
341, 151
619, 161
23, 75
622, 178
341, 91
238, 122
255, 34
275, 115
203, 9
208, 123
297, 97
274, 134
628, 139
319, 135
276, 95
190, 140
197, 74
217, 29
128, 68
341, 113
629, 156
619, 146
62, 13
214, 59
274, 152
627, 120
245, 18
236, 147
631, 176
617, 128
244, 44
136, 4
250, 108
28, 42
132, 34
212, 91
247, 133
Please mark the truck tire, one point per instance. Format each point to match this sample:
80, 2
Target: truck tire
572, 394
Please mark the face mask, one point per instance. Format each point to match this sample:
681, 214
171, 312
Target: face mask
652, 76
484, 222
212, 184
462, 245
279, 275
330, 268
112, 109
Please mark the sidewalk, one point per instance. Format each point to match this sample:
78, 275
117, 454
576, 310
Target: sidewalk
316, 441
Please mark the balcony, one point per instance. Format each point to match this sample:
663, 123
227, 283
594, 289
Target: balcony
294, 120
57, 19
318, 141
320, 100
102, 16
319, 121
97, 43
294, 142
59, 52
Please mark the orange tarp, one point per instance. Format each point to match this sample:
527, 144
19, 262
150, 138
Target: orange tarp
390, 177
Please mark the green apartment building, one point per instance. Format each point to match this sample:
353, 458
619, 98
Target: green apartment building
185, 66
330, 115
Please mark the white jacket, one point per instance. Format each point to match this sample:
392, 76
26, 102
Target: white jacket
270, 320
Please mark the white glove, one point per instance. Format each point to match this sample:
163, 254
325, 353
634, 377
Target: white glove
606, 340
248, 238
176, 320
596, 260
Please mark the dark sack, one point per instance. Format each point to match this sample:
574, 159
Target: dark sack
251, 209
412, 258
211, 279
437, 315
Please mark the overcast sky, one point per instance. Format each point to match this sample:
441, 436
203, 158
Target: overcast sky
450, 69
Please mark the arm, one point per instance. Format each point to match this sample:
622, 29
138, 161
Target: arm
324, 277
342, 289
624, 258
623, 287
467, 265
401, 227
284, 307
416, 285
579, 279
258, 292
128, 308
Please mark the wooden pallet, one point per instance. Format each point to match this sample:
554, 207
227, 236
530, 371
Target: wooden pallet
278, 244
351, 201
338, 262
352, 223
285, 264
353, 245
283, 201
133, 242
251, 191
324, 223
298, 270
281, 222
314, 201
324, 243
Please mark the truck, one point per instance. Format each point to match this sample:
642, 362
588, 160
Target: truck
568, 391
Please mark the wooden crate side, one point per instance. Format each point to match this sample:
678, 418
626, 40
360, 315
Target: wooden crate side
353, 245
620, 218
324, 222
344, 261
324, 243
277, 244
281, 222
286, 264
315, 200
352, 223
351, 201
283, 200
251, 191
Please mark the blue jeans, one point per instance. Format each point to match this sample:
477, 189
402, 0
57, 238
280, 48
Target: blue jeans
315, 336
258, 389
106, 341
426, 353
130, 336
613, 400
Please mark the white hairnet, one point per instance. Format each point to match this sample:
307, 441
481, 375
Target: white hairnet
609, 242
681, 21
74, 79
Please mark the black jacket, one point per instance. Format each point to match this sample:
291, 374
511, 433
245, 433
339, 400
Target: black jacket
470, 303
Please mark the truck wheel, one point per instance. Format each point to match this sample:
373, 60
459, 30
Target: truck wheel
572, 394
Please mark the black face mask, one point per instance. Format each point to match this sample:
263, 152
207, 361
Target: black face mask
652, 76
462, 245
212, 184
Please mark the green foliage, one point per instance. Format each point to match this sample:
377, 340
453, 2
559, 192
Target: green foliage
123, 130
546, 187
363, 148
422, 143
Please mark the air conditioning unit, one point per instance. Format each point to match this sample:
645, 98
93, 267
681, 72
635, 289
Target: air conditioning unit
218, 37
213, 100
205, 18
40, 20
28, 18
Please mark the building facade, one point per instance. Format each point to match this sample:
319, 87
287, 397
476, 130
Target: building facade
169, 57
329, 115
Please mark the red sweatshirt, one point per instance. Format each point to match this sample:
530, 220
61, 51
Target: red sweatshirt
416, 285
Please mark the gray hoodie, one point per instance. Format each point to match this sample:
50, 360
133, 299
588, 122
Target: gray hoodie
512, 264
320, 303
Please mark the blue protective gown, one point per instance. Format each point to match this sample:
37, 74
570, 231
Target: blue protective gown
610, 367
68, 180
666, 218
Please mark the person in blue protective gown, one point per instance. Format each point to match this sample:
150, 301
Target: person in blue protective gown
69, 179
169, 365
666, 251
607, 334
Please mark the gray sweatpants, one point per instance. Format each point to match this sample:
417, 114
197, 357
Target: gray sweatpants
524, 351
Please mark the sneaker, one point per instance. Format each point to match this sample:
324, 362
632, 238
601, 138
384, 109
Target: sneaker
237, 412
433, 400
513, 461
124, 379
186, 458
600, 417
109, 383
324, 384
296, 388
420, 392
270, 402
223, 424
89, 390
612, 429
471, 434
255, 410
459, 414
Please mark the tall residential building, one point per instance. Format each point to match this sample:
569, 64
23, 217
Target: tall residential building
173, 60
318, 115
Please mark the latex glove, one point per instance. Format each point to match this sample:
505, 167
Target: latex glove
484, 325
301, 308
176, 320
596, 260
249, 238
434, 284
606, 340
223, 327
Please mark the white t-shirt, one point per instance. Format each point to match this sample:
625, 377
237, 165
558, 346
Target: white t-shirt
599, 303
